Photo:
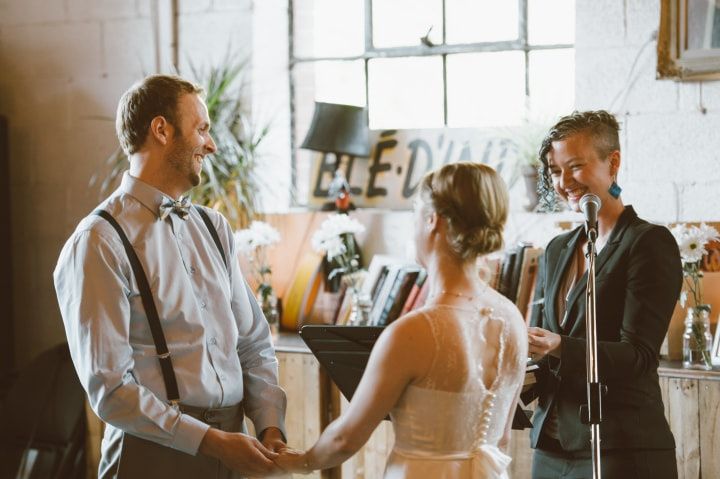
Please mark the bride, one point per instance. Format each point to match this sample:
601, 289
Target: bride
448, 374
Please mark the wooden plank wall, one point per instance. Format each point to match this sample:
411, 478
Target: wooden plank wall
692, 407
300, 377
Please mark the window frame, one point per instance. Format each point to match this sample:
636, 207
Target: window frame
443, 50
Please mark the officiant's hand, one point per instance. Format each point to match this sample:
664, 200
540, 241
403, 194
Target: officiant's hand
542, 342
293, 460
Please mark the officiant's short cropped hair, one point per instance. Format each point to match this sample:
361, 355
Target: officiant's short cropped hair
602, 126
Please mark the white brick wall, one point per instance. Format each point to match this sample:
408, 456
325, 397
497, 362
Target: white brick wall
65, 62
671, 149
63, 66
271, 100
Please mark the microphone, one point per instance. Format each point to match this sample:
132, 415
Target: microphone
590, 205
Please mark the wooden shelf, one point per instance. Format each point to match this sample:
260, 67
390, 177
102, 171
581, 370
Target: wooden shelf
674, 369
288, 342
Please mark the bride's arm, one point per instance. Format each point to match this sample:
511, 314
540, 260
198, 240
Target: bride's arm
396, 360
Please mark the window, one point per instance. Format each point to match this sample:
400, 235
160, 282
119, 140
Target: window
430, 63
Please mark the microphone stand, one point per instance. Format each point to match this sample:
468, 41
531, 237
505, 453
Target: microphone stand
593, 414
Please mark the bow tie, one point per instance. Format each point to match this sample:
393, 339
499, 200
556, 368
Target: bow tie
180, 207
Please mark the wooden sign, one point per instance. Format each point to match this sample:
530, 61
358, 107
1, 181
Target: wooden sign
400, 158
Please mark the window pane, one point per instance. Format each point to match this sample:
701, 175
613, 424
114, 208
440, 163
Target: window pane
328, 81
552, 83
703, 24
401, 23
471, 21
406, 92
328, 28
486, 89
551, 21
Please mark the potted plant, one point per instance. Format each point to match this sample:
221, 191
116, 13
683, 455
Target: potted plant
525, 143
230, 183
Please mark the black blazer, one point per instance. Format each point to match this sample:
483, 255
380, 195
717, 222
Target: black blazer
638, 280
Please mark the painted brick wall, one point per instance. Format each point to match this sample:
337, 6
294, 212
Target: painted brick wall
63, 66
670, 139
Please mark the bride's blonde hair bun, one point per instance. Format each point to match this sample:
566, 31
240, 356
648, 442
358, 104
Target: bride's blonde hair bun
473, 199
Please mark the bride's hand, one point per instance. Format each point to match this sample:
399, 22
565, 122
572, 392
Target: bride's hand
293, 460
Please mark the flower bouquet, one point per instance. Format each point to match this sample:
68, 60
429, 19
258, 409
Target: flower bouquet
253, 243
696, 339
336, 240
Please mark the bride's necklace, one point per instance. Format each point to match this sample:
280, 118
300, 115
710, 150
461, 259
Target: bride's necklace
470, 299
457, 295
463, 296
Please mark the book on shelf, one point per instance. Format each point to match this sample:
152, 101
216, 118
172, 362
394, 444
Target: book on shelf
403, 283
376, 273
526, 280
383, 293
377, 287
505, 279
304, 277
414, 291
421, 296
517, 269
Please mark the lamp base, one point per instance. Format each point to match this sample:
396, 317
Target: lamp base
330, 206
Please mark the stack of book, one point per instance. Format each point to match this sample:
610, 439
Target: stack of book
397, 287
394, 287
516, 274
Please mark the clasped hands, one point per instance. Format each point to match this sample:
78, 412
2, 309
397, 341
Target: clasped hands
252, 457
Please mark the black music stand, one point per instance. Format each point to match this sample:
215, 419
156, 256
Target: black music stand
344, 352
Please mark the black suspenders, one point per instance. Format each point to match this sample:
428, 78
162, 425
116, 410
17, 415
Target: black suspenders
166, 367
213, 233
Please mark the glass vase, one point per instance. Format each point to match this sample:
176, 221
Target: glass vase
269, 305
360, 309
697, 339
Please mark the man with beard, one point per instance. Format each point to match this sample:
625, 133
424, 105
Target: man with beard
165, 334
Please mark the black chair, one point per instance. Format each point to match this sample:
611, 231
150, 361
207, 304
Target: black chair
43, 421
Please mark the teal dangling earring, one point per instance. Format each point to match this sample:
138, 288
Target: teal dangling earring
615, 190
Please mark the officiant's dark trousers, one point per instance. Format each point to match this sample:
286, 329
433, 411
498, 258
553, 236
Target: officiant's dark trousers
554, 463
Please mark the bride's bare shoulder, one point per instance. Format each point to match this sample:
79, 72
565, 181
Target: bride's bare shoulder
413, 325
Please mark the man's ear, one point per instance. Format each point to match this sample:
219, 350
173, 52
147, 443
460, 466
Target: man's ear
161, 130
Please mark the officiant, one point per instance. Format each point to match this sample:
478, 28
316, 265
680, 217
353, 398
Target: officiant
638, 280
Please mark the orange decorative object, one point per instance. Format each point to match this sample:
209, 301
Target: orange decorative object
711, 261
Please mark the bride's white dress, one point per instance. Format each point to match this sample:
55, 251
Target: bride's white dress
449, 424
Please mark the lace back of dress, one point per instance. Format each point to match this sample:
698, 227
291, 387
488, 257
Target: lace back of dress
475, 357
470, 349
489, 407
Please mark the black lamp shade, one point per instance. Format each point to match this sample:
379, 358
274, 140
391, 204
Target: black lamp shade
341, 129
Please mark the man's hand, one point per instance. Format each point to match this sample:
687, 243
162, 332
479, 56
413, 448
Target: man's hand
272, 439
239, 452
542, 342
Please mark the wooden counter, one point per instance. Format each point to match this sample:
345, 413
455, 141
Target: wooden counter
692, 406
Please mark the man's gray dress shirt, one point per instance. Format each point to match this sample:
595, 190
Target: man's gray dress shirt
219, 340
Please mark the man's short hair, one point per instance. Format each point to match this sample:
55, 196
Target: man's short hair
156, 95
602, 127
